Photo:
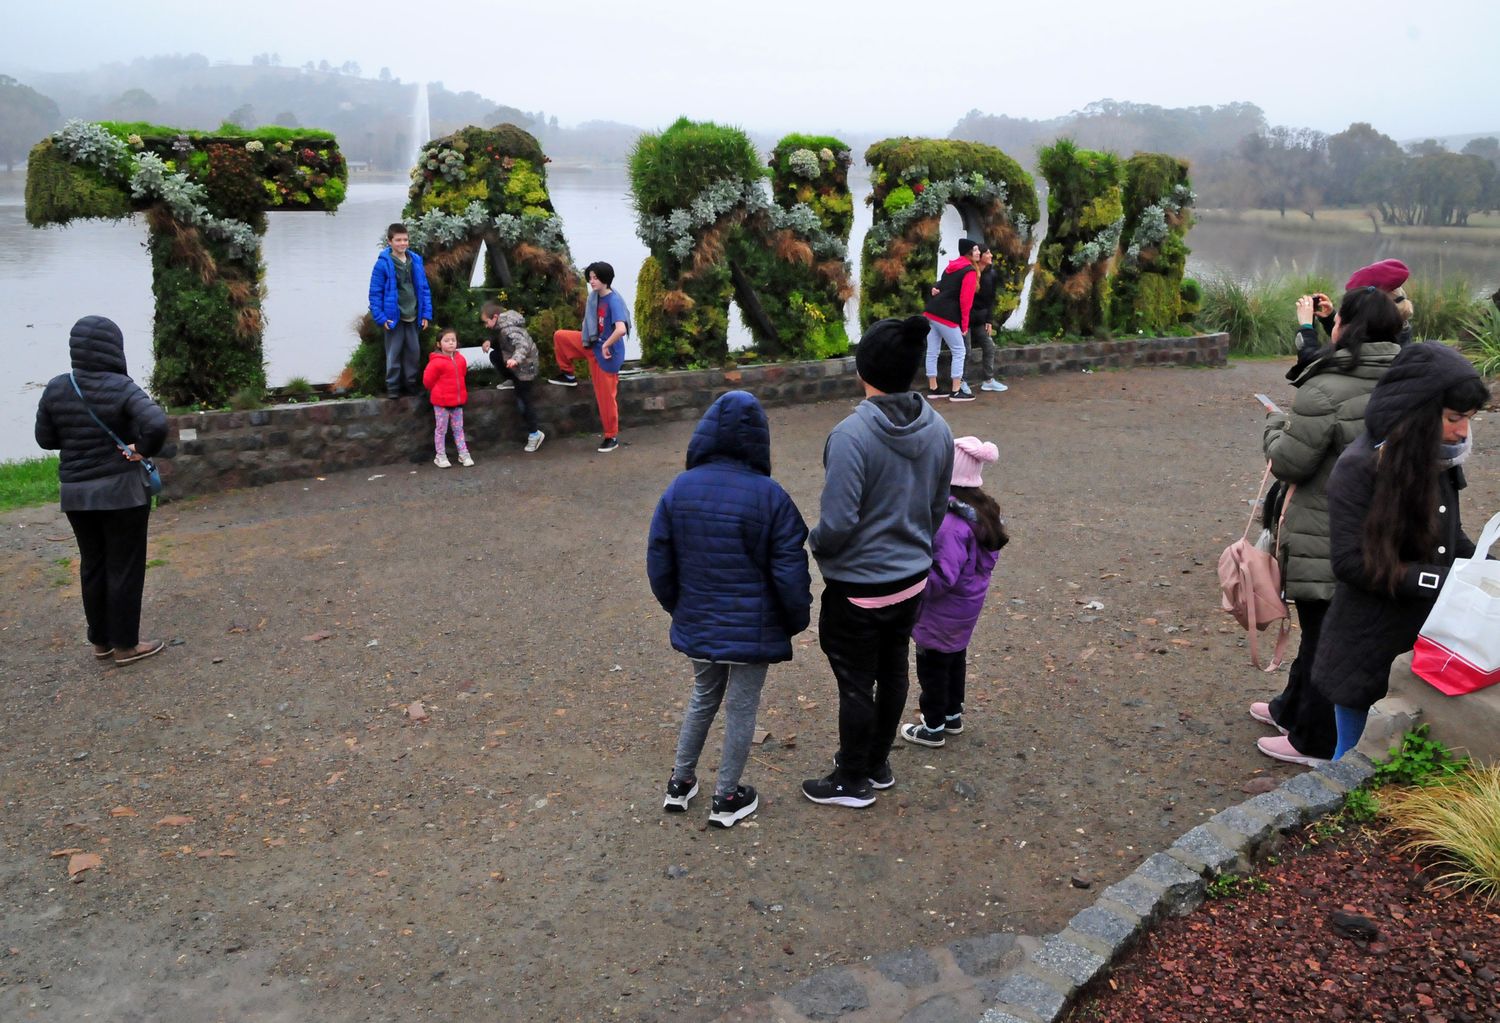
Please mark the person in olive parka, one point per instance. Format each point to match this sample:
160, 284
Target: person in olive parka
1326, 417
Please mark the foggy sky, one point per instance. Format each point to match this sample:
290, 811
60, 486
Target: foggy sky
1411, 69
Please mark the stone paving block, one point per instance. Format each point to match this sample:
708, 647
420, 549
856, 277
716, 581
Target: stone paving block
1000, 1015
1350, 771
910, 968
1284, 813
1167, 872
1320, 799
984, 954
1033, 994
1207, 848
1098, 922
1254, 826
1142, 898
828, 995
1063, 957
941, 1009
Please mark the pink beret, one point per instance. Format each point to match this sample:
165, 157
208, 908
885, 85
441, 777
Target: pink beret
1387, 275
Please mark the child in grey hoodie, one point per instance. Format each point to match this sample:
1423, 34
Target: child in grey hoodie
887, 468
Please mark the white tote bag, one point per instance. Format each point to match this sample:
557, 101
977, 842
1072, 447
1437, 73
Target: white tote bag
1458, 650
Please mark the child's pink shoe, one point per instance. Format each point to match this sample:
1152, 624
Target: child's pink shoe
1279, 747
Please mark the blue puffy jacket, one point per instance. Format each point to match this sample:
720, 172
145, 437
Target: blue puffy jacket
384, 306
725, 557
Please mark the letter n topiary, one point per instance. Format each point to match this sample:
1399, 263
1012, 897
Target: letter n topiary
912, 181
484, 188
715, 234
1085, 215
205, 197
1148, 295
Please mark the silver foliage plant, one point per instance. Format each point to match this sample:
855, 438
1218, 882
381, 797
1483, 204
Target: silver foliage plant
446, 229
678, 230
1152, 228
89, 144
938, 194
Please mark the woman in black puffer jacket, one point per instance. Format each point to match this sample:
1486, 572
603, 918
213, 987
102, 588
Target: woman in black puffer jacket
1394, 525
103, 488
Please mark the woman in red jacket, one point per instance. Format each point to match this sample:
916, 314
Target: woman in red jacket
444, 380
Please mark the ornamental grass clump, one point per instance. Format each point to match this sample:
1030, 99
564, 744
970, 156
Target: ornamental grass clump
1456, 820
1260, 316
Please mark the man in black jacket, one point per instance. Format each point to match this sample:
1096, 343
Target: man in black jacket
981, 325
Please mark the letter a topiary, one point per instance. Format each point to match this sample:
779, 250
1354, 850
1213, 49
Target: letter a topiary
484, 188
205, 196
913, 181
714, 233
1085, 216
1147, 294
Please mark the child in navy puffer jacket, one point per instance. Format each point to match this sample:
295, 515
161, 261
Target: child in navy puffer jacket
725, 559
964, 553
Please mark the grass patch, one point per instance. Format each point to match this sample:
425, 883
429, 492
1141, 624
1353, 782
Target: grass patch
1260, 316
1457, 820
27, 483
156, 562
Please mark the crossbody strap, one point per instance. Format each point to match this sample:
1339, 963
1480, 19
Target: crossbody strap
124, 448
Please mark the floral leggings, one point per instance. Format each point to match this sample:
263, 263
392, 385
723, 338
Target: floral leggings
444, 416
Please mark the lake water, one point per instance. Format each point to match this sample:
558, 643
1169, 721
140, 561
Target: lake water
318, 267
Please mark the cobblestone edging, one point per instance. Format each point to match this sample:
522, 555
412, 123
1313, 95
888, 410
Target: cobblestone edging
1008, 978
214, 451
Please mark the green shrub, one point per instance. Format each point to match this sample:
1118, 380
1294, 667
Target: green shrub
1260, 316
1085, 218
1147, 294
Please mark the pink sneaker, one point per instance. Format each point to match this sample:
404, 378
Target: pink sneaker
1262, 713
1279, 747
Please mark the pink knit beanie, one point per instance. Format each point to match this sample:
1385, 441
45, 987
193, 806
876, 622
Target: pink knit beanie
969, 456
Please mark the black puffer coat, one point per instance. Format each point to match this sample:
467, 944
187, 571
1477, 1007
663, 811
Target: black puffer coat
95, 476
1367, 628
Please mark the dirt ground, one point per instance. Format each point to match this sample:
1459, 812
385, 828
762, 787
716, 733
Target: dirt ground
279, 840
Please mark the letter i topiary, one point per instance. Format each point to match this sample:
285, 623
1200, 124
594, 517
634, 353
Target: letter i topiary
1148, 294
205, 197
1085, 215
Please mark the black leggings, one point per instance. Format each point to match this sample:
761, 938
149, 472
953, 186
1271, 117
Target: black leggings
941, 676
112, 569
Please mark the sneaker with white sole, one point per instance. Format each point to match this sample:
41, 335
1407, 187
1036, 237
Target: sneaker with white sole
954, 724
608, 445
993, 385
506, 385
679, 794
921, 735
882, 777
534, 440
836, 791
465, 459
733, 808
1279, 747
938, 393
564, 380
441, 461
962, 394
1262, 713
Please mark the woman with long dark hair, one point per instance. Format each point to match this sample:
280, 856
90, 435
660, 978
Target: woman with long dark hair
1394, 524
1303, 446
103, 488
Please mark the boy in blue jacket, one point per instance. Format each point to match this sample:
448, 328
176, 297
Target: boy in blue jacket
401, 303
726, 561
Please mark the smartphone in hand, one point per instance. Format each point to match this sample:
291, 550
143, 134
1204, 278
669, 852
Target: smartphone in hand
1266, 401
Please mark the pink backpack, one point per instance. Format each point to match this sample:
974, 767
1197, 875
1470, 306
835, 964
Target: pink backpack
1250, 579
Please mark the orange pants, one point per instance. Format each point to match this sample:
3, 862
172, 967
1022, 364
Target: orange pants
568, 345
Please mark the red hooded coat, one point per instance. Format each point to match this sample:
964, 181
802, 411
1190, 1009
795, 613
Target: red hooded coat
444, 379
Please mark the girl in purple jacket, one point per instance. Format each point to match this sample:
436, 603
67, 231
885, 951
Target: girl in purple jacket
964, 553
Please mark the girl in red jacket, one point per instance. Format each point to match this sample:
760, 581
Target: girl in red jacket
444, 380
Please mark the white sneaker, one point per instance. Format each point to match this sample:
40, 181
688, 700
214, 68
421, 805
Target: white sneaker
441, 461
465, 460
505, 385
993, 385
534, 440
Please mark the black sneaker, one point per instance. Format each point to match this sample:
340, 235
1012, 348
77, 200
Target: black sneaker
735, 807
962, 394
679, 794
834, 791
608, 445
880, 778
954, 725
564, 380
923, 736
938, 393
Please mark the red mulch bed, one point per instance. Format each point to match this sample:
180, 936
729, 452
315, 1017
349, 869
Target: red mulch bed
1274, 956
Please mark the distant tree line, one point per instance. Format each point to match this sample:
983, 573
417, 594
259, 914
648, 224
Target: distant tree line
1240, 162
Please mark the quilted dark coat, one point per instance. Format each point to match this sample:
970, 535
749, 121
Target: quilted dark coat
725, 556
93, 473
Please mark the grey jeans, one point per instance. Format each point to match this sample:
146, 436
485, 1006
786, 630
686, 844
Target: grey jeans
978, 338
711, 682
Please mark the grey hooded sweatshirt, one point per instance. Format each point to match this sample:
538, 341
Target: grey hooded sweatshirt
887, 470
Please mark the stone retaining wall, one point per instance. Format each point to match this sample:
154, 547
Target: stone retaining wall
212, 451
